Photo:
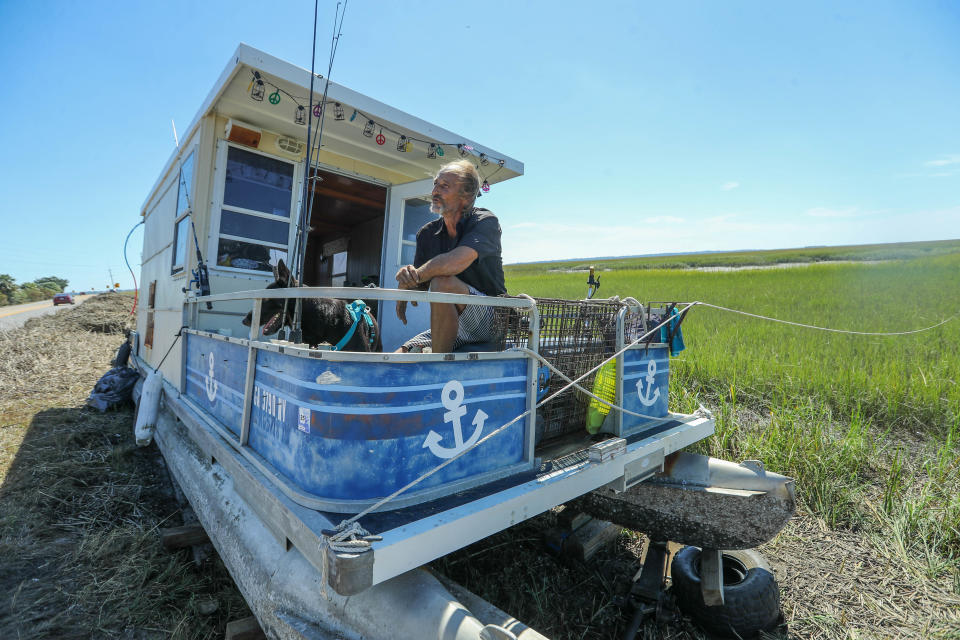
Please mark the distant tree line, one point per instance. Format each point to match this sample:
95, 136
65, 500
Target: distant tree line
39, 289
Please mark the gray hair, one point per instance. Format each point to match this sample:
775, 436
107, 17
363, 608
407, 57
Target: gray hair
469, 178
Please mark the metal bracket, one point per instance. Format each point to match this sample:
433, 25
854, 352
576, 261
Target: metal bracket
606, 450
754, 465
638, 471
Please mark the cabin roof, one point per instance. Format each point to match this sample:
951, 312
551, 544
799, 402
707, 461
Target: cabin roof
230, 97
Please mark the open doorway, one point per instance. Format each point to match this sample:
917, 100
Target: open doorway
345, 243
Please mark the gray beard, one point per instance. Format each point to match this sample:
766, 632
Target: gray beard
439, 209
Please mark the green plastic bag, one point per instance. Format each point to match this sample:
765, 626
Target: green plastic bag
604, 386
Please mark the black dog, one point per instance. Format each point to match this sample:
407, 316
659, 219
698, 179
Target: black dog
324, 320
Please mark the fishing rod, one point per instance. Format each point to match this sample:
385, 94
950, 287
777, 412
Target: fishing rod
201, 275
306, 202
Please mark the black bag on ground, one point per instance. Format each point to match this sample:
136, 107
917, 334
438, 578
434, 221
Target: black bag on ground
115, 387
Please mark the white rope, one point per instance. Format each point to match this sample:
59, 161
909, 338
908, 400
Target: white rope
810, 326
347, 537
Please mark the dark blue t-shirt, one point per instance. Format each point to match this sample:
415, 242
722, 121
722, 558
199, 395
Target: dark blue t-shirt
478, 229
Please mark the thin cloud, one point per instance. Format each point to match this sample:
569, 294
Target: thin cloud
729, 186
824, 212
722, 218
663, 220
944, 161
724, 232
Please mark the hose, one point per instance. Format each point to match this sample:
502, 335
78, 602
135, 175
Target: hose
136, 289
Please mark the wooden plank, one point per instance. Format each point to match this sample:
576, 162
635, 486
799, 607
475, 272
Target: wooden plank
245, 629
590, 538
572, 519
185, 536
578, 536
201, 552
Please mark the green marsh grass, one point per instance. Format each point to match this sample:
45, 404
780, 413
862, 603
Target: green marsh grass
866, 252
897, 380
868, 425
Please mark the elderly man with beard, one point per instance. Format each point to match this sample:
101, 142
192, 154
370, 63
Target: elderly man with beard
457, 253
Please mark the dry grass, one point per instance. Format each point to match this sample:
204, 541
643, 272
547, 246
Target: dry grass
846, 584
60, 353
81, 505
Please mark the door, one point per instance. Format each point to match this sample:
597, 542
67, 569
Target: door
408, 209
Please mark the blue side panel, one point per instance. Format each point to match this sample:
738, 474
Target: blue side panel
361, 430
646, 380
215, 375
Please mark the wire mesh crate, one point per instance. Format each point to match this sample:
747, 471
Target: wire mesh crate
575, 336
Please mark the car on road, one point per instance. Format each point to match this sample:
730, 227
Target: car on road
62, 298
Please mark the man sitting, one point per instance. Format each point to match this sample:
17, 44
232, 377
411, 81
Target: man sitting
456, 253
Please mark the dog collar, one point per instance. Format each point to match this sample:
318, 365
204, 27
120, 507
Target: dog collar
357, 309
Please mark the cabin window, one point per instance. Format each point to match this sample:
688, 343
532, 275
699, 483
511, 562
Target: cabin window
148, 334
255, 212
416, 213
181, 228
339, 269
151, 303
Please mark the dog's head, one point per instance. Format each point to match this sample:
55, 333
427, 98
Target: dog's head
276, 312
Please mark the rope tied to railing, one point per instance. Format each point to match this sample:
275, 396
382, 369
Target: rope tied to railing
175, 338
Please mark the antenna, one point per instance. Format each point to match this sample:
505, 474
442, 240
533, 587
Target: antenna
176, 140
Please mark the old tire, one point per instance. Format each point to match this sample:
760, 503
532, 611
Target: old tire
751, 596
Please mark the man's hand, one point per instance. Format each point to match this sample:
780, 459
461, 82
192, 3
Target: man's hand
408, 277
402, 309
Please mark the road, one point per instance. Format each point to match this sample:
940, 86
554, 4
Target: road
14, 316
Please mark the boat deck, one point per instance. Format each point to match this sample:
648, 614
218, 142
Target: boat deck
417, 534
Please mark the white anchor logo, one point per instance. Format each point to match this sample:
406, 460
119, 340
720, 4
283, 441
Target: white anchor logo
211, 383
645, 398
452, 398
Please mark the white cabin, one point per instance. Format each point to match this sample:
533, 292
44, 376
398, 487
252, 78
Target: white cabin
240, 168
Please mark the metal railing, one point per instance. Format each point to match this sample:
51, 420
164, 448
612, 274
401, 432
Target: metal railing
253, 344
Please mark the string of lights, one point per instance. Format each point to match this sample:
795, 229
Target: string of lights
372, 128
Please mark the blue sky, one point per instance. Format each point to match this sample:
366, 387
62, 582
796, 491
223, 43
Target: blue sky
644, 127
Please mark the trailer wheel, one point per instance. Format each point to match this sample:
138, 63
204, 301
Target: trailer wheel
751, 596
